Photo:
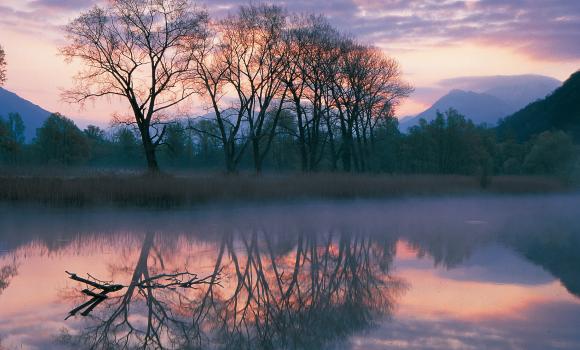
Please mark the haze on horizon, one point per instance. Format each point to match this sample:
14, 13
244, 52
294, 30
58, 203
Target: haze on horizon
433, 41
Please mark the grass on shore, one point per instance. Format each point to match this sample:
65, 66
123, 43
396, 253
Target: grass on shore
173, 191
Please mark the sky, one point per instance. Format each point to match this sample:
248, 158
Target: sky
433, 40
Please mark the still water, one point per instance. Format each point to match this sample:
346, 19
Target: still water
445, 273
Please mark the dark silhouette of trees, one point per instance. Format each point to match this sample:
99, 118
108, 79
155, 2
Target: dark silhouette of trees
60, 141
311, 44
178, 146
210, 74
2, 66
138, 50
449, 144
248, 62
11, 138
250, 67
366, 88
286, 92
257, 66
551, 153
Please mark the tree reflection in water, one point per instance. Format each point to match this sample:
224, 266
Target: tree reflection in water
276, 292
147, 314
7, 272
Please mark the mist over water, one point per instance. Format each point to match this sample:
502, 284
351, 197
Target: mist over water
438, 273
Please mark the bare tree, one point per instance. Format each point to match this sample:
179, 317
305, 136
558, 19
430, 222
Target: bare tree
2, 66
211, 69
367, 81
244, 63
310, 46
139, 50
255, 57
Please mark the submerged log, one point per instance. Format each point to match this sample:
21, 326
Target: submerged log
101, 288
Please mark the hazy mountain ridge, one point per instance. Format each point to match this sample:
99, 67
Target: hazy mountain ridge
487, 99
476, 106
32, 114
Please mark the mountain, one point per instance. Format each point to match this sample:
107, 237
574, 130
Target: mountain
519, 90
481, 108
559, 110
487, 99
32, 115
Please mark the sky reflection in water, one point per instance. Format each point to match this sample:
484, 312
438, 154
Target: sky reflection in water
473, 273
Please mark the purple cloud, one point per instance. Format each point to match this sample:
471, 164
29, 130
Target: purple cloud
62, 4
545, 29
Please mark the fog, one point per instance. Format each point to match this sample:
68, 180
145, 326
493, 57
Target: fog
429, 273
485, 215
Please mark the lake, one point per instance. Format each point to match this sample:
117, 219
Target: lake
411, 273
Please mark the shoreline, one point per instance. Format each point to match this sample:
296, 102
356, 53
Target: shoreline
175, 191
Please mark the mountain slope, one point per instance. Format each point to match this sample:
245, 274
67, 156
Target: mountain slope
32, 115
479, 107
516, 90
559, 110
487, 99
520, 90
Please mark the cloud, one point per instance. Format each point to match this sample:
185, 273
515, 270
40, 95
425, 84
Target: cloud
539, 326
544, 29
62, 4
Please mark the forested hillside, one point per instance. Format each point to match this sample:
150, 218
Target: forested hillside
558, 111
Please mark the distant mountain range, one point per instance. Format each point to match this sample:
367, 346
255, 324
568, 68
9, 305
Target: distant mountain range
32, 115
482, 99
560, 110
487, 99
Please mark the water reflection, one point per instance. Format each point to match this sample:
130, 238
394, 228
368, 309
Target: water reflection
264, 291
7, 272
149, 313
480, 273
556, 251
322, 288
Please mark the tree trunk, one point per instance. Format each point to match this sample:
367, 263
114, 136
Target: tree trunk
302, 141
149, 148
152, 165
229, 157
333, 153
257, 157
301, 132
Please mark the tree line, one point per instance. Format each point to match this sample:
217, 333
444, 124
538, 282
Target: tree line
449, 144
250, 70
283, 92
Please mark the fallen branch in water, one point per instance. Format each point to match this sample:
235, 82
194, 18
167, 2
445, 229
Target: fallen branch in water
161, 281
97, 298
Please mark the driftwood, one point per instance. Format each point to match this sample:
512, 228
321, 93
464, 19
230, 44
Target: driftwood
171, 281
97, 298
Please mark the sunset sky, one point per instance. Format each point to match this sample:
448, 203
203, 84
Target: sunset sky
433, 41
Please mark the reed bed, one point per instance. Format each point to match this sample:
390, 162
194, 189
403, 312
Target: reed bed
127, 189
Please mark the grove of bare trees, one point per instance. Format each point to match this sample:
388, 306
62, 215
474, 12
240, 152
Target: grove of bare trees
260, 72
261, 65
